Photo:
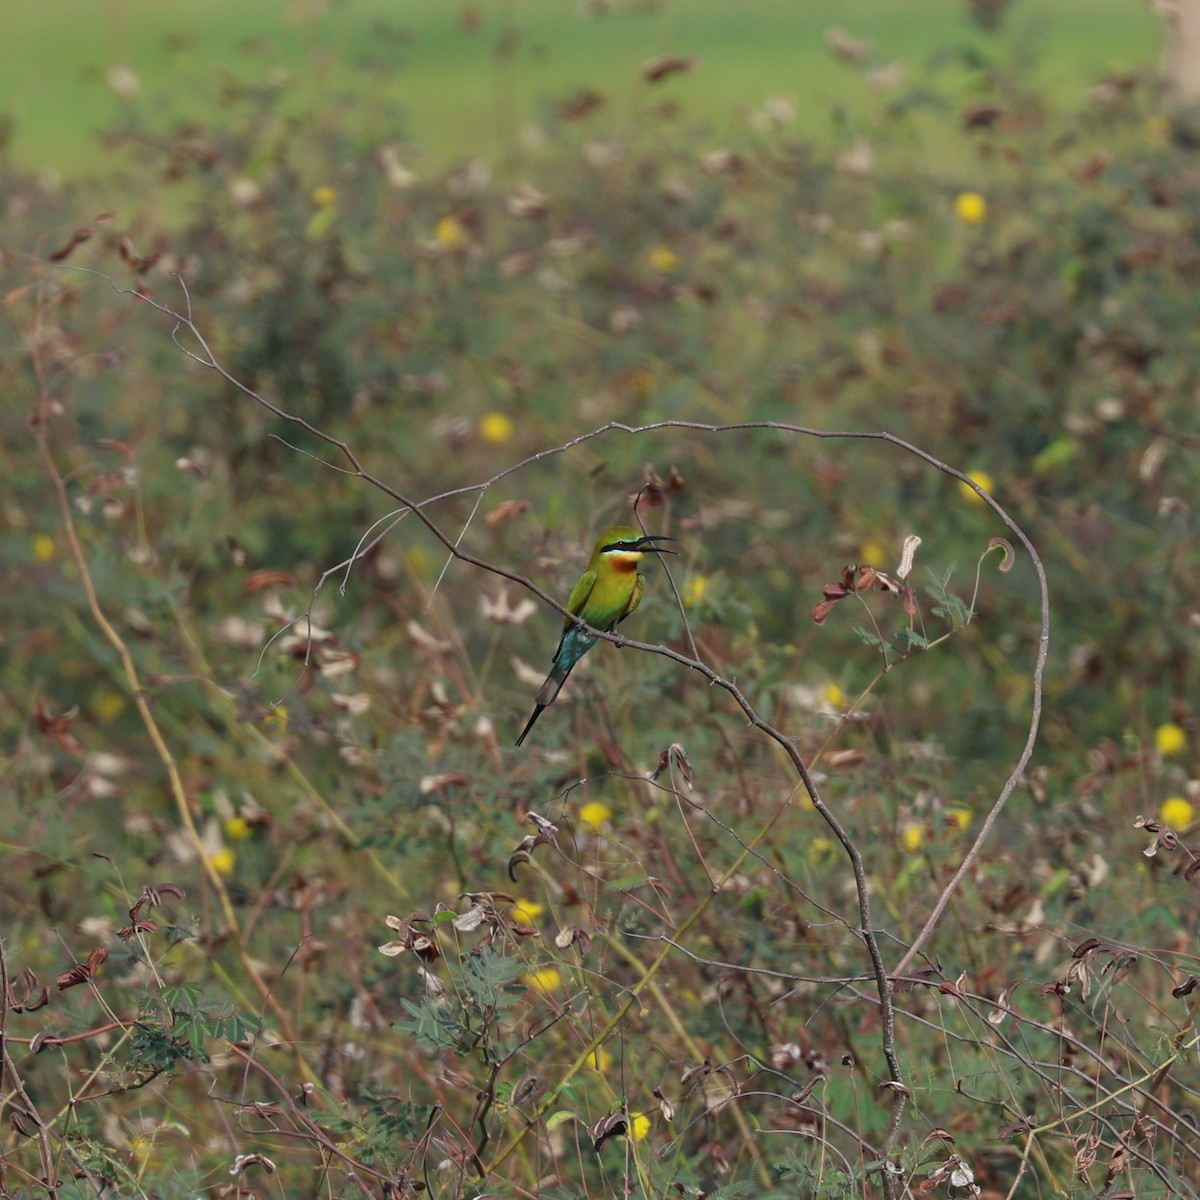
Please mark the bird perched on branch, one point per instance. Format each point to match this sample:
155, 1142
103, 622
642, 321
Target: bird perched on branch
607, 592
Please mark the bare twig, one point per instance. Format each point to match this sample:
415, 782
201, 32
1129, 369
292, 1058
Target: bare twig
891, 1182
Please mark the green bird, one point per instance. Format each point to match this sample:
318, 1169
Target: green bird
607, 592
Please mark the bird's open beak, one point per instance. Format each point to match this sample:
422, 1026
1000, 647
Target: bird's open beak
647, 544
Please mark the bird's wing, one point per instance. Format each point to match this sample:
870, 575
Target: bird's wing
580, 593
635, 598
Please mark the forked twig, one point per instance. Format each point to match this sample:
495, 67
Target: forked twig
891, 1182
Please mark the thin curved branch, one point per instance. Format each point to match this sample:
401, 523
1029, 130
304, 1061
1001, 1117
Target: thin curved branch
882, 977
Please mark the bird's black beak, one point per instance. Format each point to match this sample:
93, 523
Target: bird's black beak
647, 544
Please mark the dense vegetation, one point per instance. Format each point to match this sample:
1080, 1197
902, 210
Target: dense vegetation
628, 958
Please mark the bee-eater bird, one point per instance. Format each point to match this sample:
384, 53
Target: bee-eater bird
607, 592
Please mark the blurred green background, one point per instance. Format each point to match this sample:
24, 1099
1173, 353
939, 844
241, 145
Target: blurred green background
461, 79
459, 236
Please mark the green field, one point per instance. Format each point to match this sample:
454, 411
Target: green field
457, 95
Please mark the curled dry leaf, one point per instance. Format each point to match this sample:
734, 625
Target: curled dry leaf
1004, 1004
434, 785
528, 1088
140, 264
124, 449
981, 116
938, 1135
957, 988
859, 578
419, 942
520, 263
498, 608
244, 1161
143, 926
58, 728
654, 492
261, 581
1010, 557
614, 1125
505, 511
579, 105
527, 202
424, 640
912, 544
1119, 966
845, 758
1025, 1125
664, 65
334, 664
27, 1002
517, 859
82, 972
681, 760
84, 234
675, 754
846, 47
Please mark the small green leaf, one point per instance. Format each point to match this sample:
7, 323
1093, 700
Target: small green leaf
1057, 454
320, 224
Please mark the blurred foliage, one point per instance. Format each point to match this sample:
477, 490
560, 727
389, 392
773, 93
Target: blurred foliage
1031, 320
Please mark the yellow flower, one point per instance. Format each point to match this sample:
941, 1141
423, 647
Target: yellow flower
874, 554
970, 207
1170, 740
324, 196
600, 1060
451, 234
983, 479
662, 260
820, 849
222, 861
960, 818
495, 427
237, 829
1177, 812
546, 979
693, 590
106, 705
639, 1126
912, 836
833, 696
277, 718
526, 911
595, 814
43, 548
